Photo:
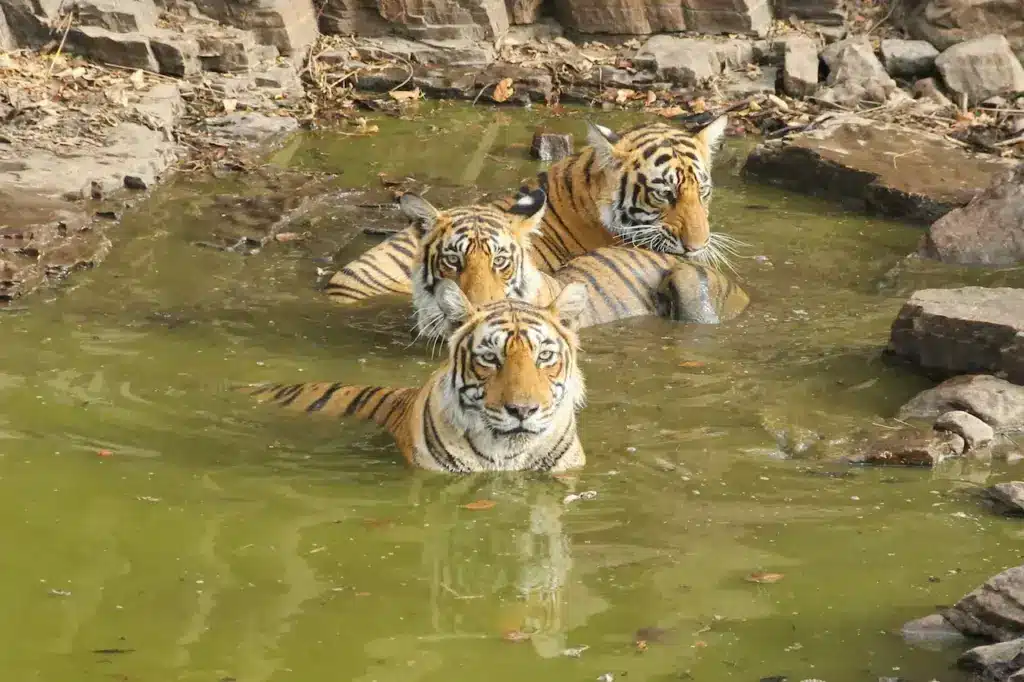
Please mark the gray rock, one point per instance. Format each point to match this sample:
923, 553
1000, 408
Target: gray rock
1008, 497
976, 433
137, 16
427, 52
227, 50
931, 632
830, 53
739, 85
251, 127
8, 41
28, 22
927, 89
176, 54
121, 49
995, 662
162, 107
987, 231
995, 610
880, 167
288, 25
995, 401
966, 330
981, 68
908, 58
800, 67
550, 146
685, 61
856, 76
283, 77
733, 54
944, 23
827, 12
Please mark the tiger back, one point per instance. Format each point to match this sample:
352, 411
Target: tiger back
649, 187
506, 400
486, 252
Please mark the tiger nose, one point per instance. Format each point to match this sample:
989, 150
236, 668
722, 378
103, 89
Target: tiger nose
520, 411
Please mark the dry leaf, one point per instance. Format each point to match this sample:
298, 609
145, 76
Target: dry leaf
691, 363
288, 236
623, 95
503, 90
515, 636
138, 78
699, 106
765, 578
652, 97
405, 95
229, 105
641, 645
669, 112
480, 505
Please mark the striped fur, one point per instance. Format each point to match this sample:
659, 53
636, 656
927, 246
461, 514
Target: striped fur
506, 399
486, 252
649, 187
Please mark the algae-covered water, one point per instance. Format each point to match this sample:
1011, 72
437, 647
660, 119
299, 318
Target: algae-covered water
158, 527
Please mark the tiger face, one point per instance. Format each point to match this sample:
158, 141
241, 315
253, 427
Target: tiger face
483, 249
659, 187
514, 375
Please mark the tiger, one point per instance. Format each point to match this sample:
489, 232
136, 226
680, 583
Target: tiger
506, 399
648, 187
486, 251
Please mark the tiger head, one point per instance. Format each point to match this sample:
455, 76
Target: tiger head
658, 181
483, 249
514, 372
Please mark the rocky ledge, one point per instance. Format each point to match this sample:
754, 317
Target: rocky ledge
994, 612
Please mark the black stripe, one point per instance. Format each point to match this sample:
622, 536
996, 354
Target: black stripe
293, 394
353, 406
630, 282
324, 398
404, 267
434, 445
612, 303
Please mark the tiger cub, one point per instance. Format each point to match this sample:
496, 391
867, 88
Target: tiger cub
486, 251
506, 400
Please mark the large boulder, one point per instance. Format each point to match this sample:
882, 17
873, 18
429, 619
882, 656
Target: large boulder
995, 401
825, 12
874, 166
688, 61
855, 75
981, 68
999, 662
944, 23
987, 231
1008, 498
908, 58
641, 17
995, 610
966, 330
288, 25
800, 66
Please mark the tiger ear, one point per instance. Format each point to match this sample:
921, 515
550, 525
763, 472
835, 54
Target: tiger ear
454, 305
529, 208
570, 303
418, 210
711, 135
603, 141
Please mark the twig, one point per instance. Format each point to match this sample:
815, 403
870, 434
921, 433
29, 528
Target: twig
480, 94
1011, 141
67, 29
892, 6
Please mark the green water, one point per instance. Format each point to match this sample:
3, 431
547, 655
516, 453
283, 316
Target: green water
223, 541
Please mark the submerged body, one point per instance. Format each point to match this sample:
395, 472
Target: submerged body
486, 251
649, 187
506, 399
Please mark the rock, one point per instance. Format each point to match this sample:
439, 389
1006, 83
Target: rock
800, 67
975, 432
121, 49
251, 127
944, 23
550, 146
450, 20
433, 52
996, 662
931, 632
987, 231
911, 448
875, 166
981, 68
1008, 497
29, 22
227, 50
827, 12
994, 610
644, 17
283, 77
137, 16
908, 58
740, 84
176, 55
995, 401
523, 11
856, 76
728, 16
966, 330
8, 41
685, 61
288, 25
352, 17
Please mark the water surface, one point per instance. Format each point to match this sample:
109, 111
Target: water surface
158, 527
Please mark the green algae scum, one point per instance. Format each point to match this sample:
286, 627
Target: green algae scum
158, 526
